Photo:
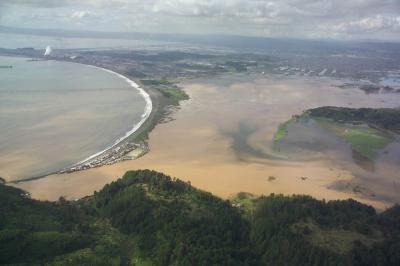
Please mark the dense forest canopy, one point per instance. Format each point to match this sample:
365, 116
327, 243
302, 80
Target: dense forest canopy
148, 218
386, 118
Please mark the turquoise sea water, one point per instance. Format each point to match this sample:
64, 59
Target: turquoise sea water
54, 114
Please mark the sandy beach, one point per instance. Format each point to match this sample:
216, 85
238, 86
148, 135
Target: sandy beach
146, 114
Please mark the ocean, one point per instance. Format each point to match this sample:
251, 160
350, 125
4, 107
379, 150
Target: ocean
54, 114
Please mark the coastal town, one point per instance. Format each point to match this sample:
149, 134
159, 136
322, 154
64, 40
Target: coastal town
126, 150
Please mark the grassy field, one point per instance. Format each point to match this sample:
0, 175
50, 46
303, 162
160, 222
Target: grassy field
363, 139
366, 141
174, 94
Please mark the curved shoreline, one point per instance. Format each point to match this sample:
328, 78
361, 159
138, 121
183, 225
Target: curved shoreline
147, 111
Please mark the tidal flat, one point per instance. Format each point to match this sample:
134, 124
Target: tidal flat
221, 140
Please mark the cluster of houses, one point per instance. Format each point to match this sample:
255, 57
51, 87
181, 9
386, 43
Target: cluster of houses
113, 155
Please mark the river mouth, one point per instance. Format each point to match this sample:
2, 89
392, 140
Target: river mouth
221, 141
55, 114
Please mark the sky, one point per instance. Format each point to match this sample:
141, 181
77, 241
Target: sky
305, 19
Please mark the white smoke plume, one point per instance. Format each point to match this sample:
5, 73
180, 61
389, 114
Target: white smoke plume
48, 51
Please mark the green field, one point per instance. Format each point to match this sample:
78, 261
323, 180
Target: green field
363, 139
366, 141
174, 94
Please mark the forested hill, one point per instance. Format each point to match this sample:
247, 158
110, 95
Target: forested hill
147, 218
386, 118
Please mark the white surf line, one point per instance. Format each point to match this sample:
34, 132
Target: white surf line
147, 111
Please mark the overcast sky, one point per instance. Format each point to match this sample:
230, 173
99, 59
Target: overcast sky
339, 19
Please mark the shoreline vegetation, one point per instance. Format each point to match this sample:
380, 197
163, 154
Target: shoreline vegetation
366, 130
161, 97
148, 218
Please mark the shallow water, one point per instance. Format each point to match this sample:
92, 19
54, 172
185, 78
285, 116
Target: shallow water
54, 114
221, 141
377, 178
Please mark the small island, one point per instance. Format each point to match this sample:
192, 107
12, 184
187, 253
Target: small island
366, 130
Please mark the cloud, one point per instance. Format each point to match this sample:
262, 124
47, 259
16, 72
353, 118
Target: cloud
36, 3
82, 14
370, 24
289, 18
216, 8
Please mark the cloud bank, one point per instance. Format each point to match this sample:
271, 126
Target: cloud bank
356, 19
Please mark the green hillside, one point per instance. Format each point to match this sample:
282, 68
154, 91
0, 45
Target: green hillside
147, 218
